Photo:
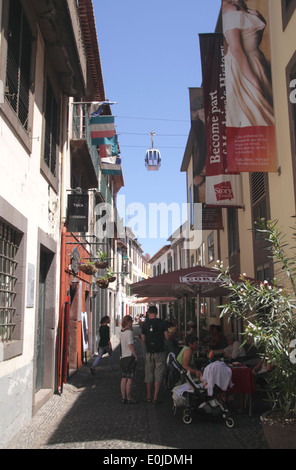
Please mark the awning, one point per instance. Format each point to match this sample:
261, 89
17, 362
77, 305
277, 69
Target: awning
197, 280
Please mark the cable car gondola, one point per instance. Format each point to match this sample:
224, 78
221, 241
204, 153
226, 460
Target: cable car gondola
152, 157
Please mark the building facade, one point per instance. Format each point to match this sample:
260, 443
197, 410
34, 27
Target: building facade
265, 194
49, 310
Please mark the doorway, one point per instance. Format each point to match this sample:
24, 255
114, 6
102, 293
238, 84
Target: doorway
40, 336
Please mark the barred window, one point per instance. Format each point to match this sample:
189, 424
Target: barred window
19, 51
9, 244
51, 136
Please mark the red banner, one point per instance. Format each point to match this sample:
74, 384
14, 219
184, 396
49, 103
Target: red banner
250, 130
223, 188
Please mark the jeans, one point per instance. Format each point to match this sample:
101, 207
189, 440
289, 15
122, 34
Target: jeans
103, 350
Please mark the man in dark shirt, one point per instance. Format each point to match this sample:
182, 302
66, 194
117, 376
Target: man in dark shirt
154, 332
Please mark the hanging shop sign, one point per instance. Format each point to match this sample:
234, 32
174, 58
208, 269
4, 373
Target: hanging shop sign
223, 188
250, 124
211, 217
77, 220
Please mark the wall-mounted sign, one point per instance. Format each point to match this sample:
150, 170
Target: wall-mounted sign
77, 220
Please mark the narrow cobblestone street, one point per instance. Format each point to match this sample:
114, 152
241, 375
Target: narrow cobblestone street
89, 415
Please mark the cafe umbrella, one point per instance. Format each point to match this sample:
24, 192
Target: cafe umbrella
197, 281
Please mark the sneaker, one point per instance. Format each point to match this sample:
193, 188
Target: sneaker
92, 371
132, 402
123, 401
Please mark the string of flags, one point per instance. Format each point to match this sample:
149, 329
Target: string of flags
103, 136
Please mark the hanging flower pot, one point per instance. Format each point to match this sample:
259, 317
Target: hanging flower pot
110, 275
102, 283
101, 264
88, 268
102, 260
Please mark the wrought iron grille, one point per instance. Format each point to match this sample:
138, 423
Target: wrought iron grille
8, 249
19, 48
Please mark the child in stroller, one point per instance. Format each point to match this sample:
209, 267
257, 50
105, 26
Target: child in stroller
204, 396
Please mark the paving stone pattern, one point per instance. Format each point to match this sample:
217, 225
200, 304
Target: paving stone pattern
89, 415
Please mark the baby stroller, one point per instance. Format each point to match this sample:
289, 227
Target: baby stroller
198, 398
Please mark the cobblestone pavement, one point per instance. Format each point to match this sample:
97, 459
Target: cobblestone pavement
89, 415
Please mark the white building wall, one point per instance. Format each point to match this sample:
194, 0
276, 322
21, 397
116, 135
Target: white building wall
26, 190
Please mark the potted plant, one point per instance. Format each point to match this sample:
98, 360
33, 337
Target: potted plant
110, 275
102, 282
268, 312
102, 260
87, 267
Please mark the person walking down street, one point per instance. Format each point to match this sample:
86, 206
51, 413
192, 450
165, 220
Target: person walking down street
128, 360
105, 345
154, 333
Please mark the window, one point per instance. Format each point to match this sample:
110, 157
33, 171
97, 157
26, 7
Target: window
18, 69
51, 134
191, 206
158, 269
9, 244
263, 273
213, 307
259, 199
13, 228
233, 238
200, 255
170, 263
211, 247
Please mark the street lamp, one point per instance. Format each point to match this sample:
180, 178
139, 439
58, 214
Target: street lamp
124, 267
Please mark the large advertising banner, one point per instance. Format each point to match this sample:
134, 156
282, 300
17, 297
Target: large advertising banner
211, 216
223, 188
250, 129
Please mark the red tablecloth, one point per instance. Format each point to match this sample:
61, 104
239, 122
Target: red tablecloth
243, 380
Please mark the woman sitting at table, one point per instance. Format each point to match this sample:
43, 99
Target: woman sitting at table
233, 351
218, 341
186, 357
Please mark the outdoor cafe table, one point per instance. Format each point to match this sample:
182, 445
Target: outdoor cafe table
243, 382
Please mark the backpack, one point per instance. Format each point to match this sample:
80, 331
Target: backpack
154, 336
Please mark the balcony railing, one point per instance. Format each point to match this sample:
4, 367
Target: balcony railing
81, 131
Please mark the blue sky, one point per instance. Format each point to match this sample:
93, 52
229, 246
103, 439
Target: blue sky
150, 58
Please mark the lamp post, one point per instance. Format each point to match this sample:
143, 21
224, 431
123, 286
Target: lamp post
124, 267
